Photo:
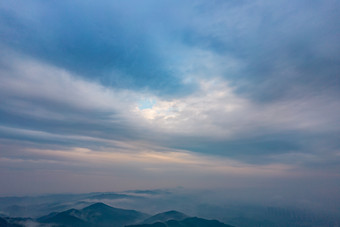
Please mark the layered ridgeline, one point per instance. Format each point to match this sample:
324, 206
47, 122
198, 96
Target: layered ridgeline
102, 215
19, 222
166, 216
177, 219
187, 222
98, 214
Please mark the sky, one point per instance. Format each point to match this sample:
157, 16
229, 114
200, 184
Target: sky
207, 94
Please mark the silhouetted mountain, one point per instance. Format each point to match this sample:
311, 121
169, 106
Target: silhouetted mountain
250, 222
188, 222
36, 206
165, 216
104, 215
98, 214
11, 222
70, 217
3, 222
157, 224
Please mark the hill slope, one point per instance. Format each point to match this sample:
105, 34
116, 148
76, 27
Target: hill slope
165, 216
98, 214
188, 222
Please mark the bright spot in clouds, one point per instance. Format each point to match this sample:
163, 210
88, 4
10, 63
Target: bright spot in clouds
146, 103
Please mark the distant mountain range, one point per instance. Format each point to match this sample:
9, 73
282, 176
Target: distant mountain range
177, 219
187, 222
98, 214
36, 206
102, 215
19, 222
166, 216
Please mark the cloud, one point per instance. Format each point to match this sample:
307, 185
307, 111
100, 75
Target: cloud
222, 113
107, 45
287, 49
134, 167
51, 105
133, 90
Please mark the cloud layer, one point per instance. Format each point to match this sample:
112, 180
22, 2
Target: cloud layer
167, 94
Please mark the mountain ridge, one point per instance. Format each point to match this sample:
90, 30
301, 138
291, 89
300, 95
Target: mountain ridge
103, 215
165, 216
187, 222
97, 214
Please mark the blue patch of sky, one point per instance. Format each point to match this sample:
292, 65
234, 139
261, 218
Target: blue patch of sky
146, 103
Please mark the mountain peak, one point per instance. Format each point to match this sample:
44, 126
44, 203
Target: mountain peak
187, 222
165, 216
172, 212
97, 214
98, 205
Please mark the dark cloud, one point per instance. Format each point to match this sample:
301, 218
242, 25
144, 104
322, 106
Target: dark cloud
104, 42
288, 48
280, 44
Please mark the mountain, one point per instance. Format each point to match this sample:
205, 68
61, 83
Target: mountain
104, 215
187, 222
5, 223
98, 214
70, 217
166, 216
15, 222
37, 206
